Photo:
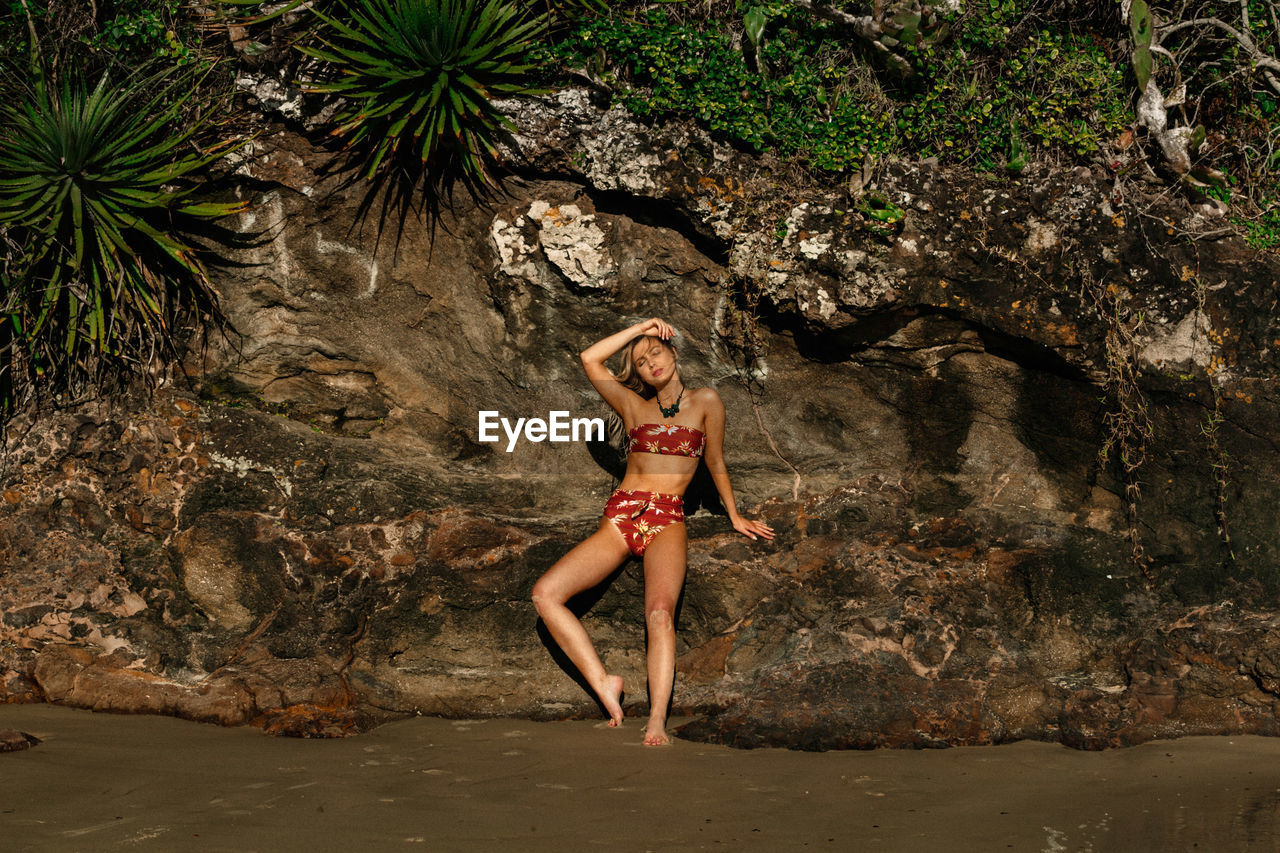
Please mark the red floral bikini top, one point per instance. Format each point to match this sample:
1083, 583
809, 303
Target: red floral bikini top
670, 439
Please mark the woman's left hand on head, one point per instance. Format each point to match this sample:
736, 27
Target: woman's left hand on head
751, 528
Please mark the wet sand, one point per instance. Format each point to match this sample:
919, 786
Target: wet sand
102, 782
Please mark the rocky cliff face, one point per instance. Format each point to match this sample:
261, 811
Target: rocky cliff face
918, 378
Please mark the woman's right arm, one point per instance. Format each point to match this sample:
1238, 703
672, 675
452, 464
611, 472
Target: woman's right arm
593, 358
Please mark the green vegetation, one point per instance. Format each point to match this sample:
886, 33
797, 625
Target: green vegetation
124, 34
105, 118
804, 106
999, 85
1053, 89
417, 78
94, 203
1263, 232
808, 93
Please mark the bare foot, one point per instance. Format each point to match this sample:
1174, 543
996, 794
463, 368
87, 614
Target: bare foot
611, 698
655, 734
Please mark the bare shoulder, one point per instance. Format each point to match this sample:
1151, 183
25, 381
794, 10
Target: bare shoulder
709, 406
707, 396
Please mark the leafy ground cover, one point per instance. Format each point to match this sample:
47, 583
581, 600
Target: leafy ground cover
992, 84
808, 92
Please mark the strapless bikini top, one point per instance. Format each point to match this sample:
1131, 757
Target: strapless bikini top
670, 439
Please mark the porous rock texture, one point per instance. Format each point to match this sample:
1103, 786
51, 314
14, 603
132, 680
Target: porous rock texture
309, 535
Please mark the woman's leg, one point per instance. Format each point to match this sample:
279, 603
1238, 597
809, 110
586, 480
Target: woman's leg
664, 568
582, 568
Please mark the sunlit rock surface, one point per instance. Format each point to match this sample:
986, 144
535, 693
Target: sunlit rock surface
919, 378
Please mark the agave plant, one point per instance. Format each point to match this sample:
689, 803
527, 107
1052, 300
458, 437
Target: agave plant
94, 207
418, 76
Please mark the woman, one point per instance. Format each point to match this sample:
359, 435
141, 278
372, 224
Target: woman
669, 427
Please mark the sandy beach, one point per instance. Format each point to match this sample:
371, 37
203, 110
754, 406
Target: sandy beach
103, 782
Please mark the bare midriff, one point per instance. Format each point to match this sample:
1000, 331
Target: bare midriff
654, 472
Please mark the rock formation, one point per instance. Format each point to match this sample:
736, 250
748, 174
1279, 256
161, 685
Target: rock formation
309, 535
12, 740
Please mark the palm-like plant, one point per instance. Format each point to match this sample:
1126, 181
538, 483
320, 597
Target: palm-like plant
94, 206
417, 77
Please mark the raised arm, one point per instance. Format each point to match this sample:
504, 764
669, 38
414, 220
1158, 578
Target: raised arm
617, 395
714, 457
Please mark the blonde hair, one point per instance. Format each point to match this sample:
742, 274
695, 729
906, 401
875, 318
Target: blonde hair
630, 377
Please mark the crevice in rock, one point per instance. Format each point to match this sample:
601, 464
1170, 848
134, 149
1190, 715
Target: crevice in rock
659, 213
1030, 354
250, 184
253, 635
350, 697
872, 333
650, 212
1270, 441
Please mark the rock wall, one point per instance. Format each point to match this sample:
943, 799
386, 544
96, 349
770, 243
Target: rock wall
918, 380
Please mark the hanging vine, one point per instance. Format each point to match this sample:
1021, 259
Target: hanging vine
1127, 425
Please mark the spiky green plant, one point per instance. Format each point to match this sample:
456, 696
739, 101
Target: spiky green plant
95, 208
418, 77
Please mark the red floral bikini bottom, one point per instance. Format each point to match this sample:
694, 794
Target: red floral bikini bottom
640, 516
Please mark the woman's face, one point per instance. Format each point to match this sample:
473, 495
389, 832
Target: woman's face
655, 363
